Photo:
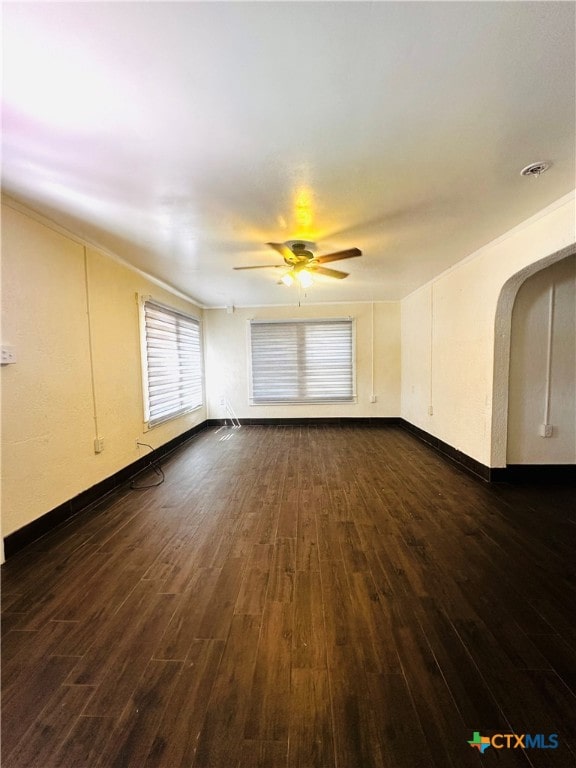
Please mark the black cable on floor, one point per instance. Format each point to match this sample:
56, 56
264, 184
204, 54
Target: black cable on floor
155, 465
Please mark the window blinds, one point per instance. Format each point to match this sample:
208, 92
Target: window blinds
173, 363
307, 361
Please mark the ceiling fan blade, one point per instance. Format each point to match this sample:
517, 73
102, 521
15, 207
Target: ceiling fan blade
262, 266
283, 250
330, 272
350, 253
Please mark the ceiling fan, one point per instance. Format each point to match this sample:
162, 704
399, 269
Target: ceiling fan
299, 257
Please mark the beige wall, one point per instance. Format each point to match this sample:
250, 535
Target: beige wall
450, 330
543, 368
227, 356
71, 316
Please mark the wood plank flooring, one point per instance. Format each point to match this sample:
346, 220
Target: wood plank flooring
296, 597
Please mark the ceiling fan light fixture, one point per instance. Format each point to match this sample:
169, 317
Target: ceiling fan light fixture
299, 259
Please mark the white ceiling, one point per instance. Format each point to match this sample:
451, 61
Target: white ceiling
184, 136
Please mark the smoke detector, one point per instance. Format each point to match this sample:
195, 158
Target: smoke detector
535, 169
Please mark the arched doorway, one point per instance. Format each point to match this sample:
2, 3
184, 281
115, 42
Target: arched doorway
502, 342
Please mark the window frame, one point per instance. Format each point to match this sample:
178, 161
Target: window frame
256, 401
149, 421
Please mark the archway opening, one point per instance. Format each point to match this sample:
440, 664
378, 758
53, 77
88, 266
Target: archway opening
502, 351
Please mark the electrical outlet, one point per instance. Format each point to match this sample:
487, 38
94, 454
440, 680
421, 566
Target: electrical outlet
8, 355
430, 411
373, 398
546, 430
98, 444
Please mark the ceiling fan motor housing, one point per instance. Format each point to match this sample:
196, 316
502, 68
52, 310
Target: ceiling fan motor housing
301, 251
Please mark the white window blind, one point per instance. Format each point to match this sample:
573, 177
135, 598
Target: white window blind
309, 361
173, 363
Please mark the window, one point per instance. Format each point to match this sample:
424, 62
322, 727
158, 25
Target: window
172, 359
302, 361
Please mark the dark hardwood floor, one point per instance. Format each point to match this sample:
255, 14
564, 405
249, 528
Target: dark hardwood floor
296, 596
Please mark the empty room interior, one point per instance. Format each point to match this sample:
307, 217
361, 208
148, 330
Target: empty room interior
288, 385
